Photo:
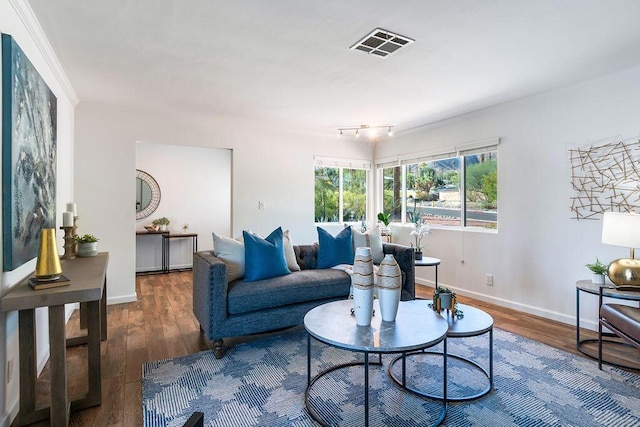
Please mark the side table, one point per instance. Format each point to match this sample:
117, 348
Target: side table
88, 286
474, 323
610, 291
429, 262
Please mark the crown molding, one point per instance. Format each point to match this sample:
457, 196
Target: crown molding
28, 18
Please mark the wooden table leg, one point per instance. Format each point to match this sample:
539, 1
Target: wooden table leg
59, 412
27, 344
103, 311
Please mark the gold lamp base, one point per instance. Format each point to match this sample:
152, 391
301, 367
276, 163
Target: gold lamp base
625, 272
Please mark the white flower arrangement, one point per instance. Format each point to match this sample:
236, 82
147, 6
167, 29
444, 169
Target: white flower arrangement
420, 231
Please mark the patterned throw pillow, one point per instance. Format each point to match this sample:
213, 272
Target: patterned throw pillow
334, 250
372, 238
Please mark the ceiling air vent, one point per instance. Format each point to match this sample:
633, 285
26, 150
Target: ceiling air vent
382, 43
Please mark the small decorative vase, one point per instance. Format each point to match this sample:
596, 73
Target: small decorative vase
362, 281
418, 255
445, 300
389, 288
164, 227
598, 279
87, 249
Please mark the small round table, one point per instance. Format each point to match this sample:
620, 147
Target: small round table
474, 323
610, 291
428, 261
415, 328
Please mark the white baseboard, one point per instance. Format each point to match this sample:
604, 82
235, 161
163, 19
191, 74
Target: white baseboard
122, 299
525, 308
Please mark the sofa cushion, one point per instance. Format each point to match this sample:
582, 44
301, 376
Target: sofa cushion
299, 286
264, 258
231, 252
372, 238
289, 253
334, 250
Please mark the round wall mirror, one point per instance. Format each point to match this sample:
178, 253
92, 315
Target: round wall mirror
147, 194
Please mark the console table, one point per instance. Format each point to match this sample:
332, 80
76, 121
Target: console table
88, 286
166, 247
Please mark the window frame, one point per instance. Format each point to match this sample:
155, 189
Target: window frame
341, 164
461, 153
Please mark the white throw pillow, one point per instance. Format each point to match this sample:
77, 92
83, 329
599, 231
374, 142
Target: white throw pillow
231, 252
289, 253
372, 238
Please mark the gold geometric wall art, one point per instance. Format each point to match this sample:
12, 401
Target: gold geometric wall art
606, 178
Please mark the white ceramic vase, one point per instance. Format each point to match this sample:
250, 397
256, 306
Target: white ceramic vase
362, 281
389, 288
598, 279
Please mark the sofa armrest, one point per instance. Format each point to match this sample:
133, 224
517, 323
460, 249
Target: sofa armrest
209, 291
404, 256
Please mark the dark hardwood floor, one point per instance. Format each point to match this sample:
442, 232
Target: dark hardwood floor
161, 325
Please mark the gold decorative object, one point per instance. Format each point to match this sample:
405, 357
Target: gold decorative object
48, 266
69, 243
623, 229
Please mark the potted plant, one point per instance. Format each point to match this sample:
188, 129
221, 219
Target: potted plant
384, 219
445, 299
87, 245
599, 270
420, 230
163, 223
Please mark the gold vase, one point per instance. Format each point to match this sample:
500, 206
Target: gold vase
48, 266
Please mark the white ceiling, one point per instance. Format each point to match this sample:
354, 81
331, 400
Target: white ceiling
289, 61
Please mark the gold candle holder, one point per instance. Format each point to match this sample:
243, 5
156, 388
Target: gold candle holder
69, 243
74, 233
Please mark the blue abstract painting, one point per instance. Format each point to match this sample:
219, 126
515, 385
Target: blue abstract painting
29, 118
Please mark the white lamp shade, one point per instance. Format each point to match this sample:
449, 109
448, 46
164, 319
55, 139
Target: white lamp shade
621, 229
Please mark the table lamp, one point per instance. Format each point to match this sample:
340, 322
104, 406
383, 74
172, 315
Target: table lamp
623, 229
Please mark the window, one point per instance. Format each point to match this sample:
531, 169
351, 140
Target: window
452, 189
340, 190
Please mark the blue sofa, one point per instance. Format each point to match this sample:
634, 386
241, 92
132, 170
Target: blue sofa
243, 308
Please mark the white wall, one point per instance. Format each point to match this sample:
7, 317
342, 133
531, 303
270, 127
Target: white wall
269, 164
538, 252
17, 21
195, 188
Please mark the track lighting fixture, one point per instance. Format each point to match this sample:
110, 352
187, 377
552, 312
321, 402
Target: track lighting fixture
371, 130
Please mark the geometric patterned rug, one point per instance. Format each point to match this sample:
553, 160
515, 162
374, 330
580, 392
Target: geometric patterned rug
262, 383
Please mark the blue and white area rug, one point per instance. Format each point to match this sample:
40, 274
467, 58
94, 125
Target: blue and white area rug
262, 383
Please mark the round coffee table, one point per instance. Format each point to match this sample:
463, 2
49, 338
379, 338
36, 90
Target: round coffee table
415, 328
474, 323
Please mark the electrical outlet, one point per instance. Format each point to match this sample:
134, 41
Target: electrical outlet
10, 364
489, 279
260, 205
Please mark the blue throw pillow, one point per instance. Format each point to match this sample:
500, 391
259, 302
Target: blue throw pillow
264, 258
334, 250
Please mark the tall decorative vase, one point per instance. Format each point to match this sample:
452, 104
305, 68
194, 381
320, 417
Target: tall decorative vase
362, 281
389, 288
